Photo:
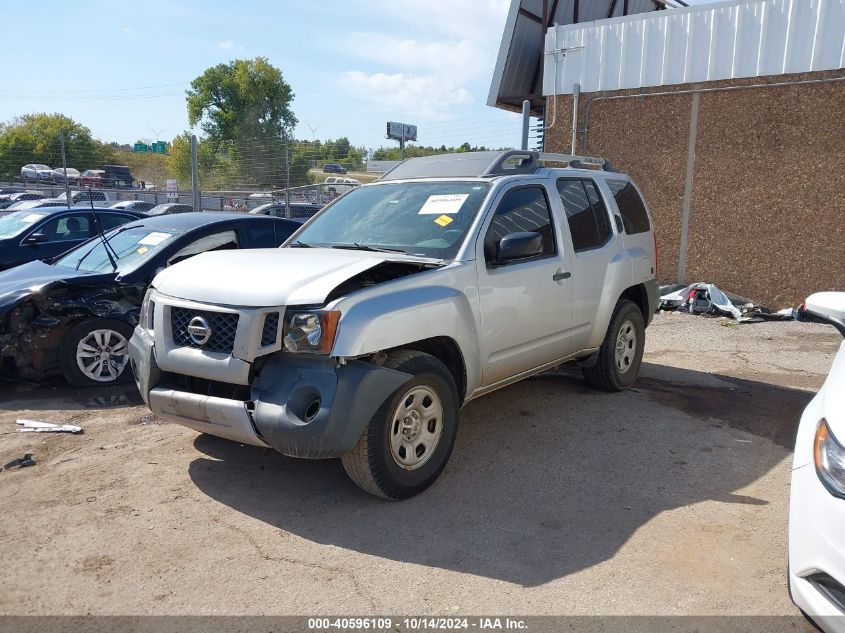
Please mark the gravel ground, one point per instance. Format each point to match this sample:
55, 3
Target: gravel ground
670, 498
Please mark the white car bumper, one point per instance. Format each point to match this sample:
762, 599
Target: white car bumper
817, 546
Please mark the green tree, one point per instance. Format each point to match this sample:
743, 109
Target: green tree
36, 138
244, 109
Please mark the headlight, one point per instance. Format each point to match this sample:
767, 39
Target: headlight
829, 456
145, 319
311, 330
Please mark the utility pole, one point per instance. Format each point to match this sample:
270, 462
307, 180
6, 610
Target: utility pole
195, 176
64, 167
287, 177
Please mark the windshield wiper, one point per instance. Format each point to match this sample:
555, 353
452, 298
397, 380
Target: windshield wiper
105, 242
299, 244
357, 246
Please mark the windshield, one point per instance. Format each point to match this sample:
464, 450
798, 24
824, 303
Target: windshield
13, 224
429, 219
133, 246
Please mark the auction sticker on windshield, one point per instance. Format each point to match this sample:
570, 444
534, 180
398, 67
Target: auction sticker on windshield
154, 239
443, 203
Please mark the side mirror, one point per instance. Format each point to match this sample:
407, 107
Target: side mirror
825, 307
35, 238
519, 246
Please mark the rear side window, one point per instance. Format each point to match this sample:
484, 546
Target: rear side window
521, 209
631, 206
112, 220
585, 212
261, 234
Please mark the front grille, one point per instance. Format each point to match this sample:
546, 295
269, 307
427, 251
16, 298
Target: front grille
830, 588
271, 329
204, 387
223, 326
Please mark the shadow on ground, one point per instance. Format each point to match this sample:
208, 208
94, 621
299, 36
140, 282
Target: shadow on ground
58, 395
548, 477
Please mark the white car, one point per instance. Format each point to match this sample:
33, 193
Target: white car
817, 506
36, 171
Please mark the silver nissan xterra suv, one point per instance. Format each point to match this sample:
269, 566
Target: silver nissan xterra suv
365, 333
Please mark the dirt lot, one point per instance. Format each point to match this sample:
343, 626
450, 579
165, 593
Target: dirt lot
670, 498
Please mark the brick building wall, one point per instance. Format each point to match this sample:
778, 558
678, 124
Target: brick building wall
767, 215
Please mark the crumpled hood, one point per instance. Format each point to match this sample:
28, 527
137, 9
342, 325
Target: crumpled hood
268, 277
20, 282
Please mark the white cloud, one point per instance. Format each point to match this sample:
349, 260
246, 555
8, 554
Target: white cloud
444, 58
226, 44
423, 96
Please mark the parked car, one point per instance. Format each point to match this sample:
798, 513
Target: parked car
74, 314
40, 233
334, 168
170, 208
72, 175
117, 177
300, 211
8, 191
340, 180
23, 205
133, 205
100, 198
36, 171
91, 178
20, 197
399, 303
817, 496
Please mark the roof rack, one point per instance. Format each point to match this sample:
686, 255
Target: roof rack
524, 162
486, 164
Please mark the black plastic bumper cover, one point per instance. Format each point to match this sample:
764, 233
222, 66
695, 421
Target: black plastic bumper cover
311, 407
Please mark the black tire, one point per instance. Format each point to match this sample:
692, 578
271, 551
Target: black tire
371, 464
68, 353
606, 374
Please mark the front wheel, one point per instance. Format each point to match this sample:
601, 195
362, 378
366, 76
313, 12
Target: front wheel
621, 352
96, 352
408, 441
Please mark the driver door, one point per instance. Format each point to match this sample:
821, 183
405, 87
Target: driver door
525, 305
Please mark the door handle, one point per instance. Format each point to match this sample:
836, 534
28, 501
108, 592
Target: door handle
560, 275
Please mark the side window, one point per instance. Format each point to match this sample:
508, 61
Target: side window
631, 206
521, 209
112, 220
226, 240
260, 234
67, 228
98, 195
585, 212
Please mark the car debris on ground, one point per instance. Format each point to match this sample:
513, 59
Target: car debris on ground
20, 462
707, 299
33, 426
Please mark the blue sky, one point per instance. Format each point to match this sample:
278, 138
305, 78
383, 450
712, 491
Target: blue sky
121, 68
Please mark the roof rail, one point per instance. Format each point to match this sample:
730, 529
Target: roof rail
526, 162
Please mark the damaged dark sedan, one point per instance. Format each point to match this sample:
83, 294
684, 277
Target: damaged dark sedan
73, 315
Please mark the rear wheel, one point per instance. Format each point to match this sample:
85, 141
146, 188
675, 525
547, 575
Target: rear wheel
621, 352
96, 352
408, 441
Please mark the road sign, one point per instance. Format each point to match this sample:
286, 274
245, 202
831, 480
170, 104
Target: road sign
401, 131
159, 147
142, 147
172, 192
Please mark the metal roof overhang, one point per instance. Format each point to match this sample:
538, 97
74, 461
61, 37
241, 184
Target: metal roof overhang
518, 74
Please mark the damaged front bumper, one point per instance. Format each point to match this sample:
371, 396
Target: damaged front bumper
302, 406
